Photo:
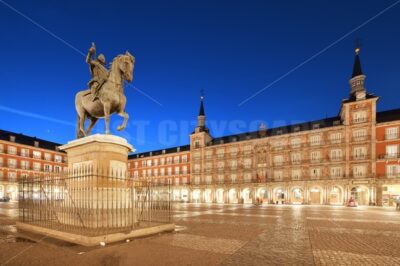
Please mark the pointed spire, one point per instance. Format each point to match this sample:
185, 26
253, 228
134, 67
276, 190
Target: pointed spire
201, 112
357, 71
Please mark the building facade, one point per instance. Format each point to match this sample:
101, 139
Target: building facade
26, 157
329, 161
354, 155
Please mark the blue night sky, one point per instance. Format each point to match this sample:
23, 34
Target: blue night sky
231, 49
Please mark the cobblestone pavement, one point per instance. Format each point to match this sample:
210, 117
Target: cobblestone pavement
231, 235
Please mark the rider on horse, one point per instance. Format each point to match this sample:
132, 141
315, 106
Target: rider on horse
98, 71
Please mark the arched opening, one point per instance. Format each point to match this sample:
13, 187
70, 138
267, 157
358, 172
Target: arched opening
2, 191
196, 195
185, 195
208, 196
220, 195
279, 196
360, 194
315, 195
176, 195
232, 196
336, 196
12, 192
246, 196
297, 196
262, 195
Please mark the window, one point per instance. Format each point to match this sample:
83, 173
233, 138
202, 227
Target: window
359, 134
220, 153
359, 153
149, 172
247, 149
1, 174
295, 143
57, 169
247, 177
176, 159
220, 179
12, 176
169, 170
278, 175
37, 154
12, 163
208, 166
169, 160
392, 133
36, 166
336, 171
295, 157
336, 154
143, 163
1, 148
155, 162
144, 173
315, 140
162, 171
184, 170
315, 173
25, 165
47, 156
162, 161
392, 170
196, 144
247, 163
148, 163
335, 137
208, 179
233, 178
360, 117
47, 168
177, 170
12, 150
296, 174
233, 151
25, 152
155, 172
315, 156
136, 164
58, 158
197, 168
278, 159
1, 161
233, 164
359, 171
391, 151
135, 174
184, 159
208, 154
278, 145
177, 180
220, 165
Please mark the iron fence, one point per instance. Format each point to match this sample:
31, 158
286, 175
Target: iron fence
91, 202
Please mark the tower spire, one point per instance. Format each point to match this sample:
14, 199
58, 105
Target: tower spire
201, 112
358, 91
201, 118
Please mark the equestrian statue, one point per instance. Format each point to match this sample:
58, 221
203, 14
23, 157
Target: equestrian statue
105, 94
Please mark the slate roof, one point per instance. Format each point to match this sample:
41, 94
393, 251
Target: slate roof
27, 140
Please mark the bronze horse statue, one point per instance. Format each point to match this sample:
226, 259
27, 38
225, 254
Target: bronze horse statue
111, 97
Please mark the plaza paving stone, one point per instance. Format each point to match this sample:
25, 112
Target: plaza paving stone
231, 235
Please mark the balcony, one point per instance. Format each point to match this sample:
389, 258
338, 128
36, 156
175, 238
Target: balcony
360, 120
391, 136
389, 156
361, 138
358, 157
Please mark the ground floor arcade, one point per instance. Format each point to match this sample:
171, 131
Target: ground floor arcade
363, 192
9, 189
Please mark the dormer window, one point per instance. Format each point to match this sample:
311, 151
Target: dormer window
12, 138
359, 117
315, 126
36, 144
296, 129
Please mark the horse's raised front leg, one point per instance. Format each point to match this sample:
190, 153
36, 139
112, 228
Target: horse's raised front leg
126, 117
93, 121
107, 107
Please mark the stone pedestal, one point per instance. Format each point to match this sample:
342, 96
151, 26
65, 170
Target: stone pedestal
97, 190
100, 152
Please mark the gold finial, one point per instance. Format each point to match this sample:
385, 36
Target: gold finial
357, 45
357, 50
202, 94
